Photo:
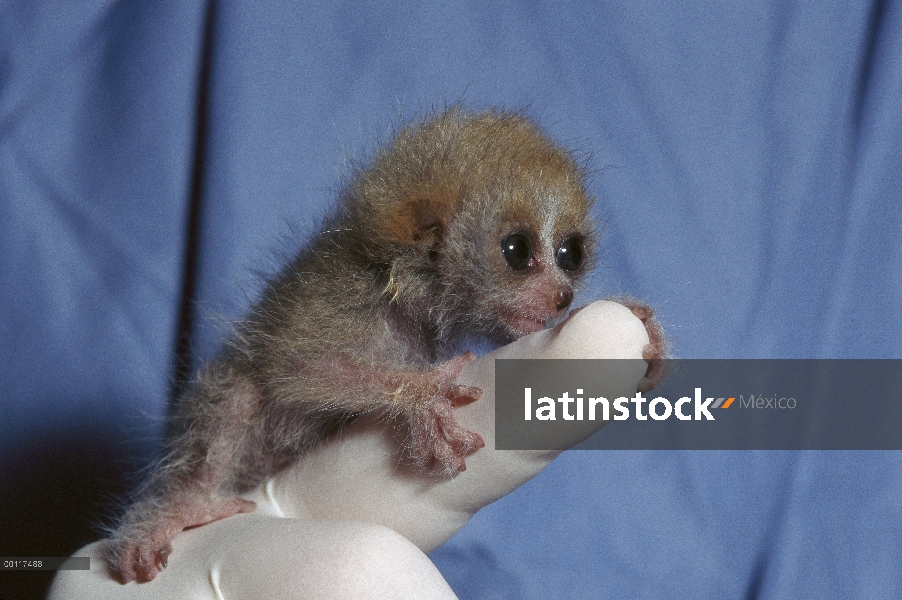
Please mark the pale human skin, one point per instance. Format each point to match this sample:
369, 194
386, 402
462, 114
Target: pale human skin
349, 520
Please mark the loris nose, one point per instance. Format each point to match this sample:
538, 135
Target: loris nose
562, 298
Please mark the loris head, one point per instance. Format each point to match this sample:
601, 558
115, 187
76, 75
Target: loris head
479, 223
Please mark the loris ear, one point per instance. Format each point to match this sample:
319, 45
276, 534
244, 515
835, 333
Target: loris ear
421, 223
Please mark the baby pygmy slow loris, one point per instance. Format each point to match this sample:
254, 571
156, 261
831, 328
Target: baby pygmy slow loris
348, 520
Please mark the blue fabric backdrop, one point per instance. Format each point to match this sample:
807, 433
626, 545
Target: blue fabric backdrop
748, 163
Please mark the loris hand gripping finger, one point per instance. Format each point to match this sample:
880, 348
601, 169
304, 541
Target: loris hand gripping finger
464, 226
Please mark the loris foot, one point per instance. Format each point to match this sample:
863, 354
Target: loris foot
436, 438
655, 352
143, 545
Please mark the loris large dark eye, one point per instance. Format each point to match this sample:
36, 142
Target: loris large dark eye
516, 250
569, 255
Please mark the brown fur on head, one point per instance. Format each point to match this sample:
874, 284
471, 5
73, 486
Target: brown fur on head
436, 206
